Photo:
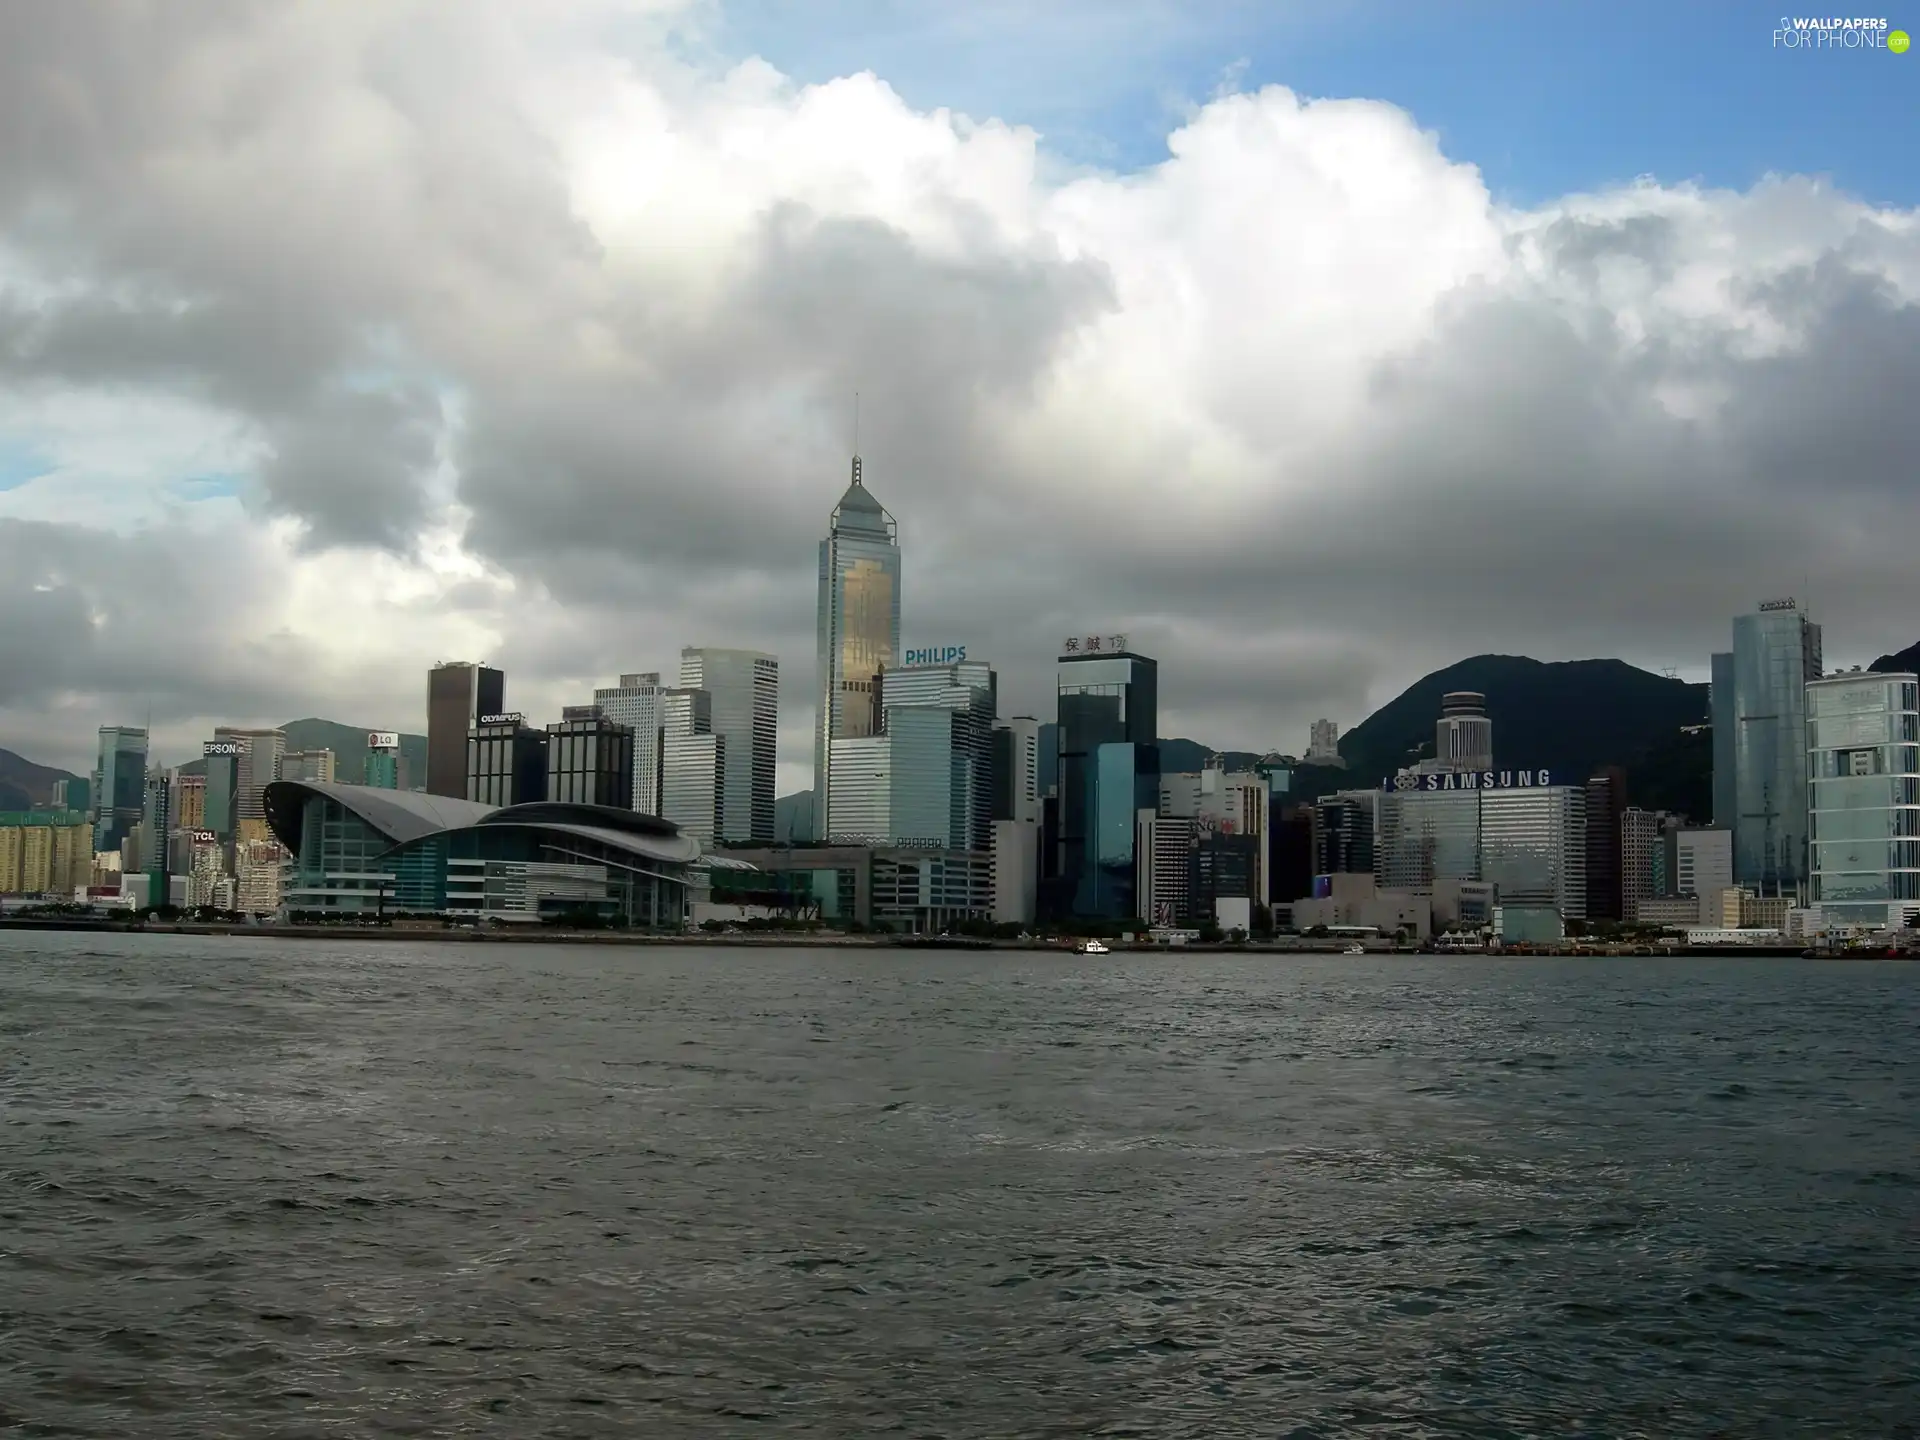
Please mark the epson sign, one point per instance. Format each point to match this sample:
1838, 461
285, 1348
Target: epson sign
1471, 780
949, 655
221, 747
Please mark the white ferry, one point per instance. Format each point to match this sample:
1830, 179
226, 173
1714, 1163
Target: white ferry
1093, 947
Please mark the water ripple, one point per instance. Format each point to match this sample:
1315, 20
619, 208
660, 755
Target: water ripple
260, 1188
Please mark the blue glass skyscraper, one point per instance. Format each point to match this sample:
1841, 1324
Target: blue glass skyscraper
1109, 770
1760, 745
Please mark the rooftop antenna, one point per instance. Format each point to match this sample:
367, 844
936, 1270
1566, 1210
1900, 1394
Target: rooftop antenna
856, 437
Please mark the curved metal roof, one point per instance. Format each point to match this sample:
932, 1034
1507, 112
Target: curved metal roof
675, 849
570, 812
399, 815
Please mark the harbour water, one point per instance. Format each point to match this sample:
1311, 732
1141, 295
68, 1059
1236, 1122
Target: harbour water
267, 1188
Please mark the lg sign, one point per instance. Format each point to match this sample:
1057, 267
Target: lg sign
950, 655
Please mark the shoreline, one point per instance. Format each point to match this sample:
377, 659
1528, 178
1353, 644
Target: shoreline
836, 941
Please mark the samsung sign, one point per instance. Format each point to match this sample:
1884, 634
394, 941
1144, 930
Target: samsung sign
950, 655
1471, 780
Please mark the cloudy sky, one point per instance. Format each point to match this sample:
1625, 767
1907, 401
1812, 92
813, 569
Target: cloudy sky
1314, 347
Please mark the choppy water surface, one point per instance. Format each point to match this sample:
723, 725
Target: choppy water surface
311, 1189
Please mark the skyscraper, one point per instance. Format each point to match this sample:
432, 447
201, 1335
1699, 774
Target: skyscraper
1606, 886
1016, 819
1463, 737
1864, 734
459, 696
260, 754
119, 784
744, 691
220, 810
692, 765
1109, 771
506, 762
636, 703
156, 823
317, 766
589, 759
1759, 699
859, 628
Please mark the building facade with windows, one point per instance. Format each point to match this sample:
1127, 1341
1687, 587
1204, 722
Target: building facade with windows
589, 760
1108, 769
506, 762
1863, 768
119, 785
257, 766
1759, 700
638, 703
1533, 847
460, 695
743, 689
858, 620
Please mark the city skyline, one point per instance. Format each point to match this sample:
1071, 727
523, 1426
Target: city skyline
1276, 431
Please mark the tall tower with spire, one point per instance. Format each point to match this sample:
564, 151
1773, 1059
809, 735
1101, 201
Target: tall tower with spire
859, 629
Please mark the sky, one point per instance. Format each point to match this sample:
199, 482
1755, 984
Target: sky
1312, 347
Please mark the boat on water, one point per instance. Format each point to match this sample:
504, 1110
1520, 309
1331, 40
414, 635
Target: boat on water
1354, 950
1093, 947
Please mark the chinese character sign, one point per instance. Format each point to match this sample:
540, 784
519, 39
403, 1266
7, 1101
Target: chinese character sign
1117, 642
1092, 642
1072, 646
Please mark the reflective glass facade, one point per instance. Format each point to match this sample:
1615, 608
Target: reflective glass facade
459, 696
858, 627
119, 784
590, 762
1427, 835
1776, 652
1864, 773
1533, 847
1106, 702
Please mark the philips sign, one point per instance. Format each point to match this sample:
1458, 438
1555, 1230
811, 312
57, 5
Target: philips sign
1471, 780
951, 655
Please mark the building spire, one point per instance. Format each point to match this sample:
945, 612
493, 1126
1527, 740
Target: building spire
856, 437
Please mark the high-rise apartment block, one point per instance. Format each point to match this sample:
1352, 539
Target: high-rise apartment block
859, 629
1323, 744
460, 696
45, 852
1759, 699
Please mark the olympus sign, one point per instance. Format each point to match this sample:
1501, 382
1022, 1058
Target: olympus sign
510, 717
1471, 780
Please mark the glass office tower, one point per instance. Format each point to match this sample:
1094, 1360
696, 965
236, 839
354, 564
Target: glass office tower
459, 696
859, 629
1863, 734
119, 784
744, 686
638, 703
1109, 771
1776, 652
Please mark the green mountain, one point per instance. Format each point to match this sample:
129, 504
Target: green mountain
349, 746
24, 784
1571, 717
1905, 661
